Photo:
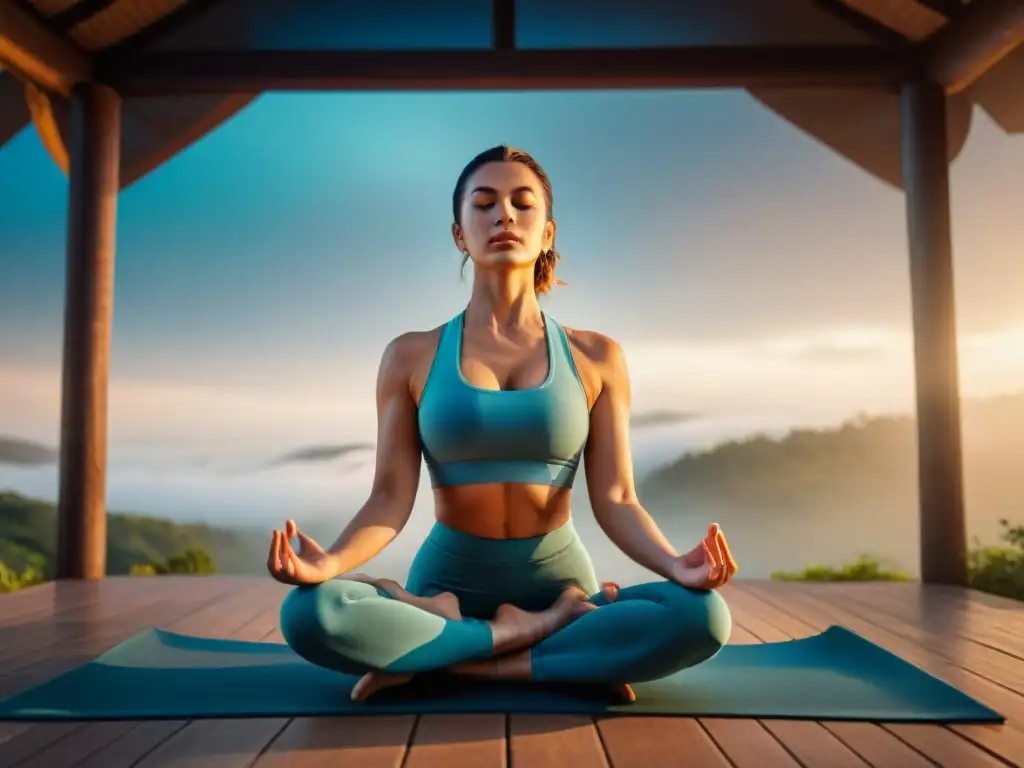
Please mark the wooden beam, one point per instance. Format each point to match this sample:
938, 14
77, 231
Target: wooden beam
948, 8
863, 23
973, 42
94, 150
940, 473
39, 55
139, 73
503, 24
40, 107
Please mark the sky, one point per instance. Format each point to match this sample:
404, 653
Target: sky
751, 274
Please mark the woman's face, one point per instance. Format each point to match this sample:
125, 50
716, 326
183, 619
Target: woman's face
504, 217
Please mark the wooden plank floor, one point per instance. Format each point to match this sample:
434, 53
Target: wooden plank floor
974, 641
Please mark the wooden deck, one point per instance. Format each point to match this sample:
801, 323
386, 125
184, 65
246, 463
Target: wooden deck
974, 641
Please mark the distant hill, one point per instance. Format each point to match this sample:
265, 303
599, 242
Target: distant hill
827, 495
28, 528
25, 453
813, 496
860, 456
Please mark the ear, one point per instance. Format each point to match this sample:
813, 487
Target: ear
457, 237
549, 235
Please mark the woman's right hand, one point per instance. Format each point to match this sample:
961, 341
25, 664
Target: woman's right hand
310, 565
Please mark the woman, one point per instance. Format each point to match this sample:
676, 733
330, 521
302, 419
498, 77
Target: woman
502, 402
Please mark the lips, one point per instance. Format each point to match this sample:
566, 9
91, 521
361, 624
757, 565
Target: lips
504, 237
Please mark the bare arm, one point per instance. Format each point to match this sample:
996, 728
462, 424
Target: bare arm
397, 472
609, 467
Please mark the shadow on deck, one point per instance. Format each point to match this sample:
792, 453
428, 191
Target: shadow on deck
972, 640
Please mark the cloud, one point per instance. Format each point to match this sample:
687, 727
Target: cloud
838, 346
165, 420
808, 377
840, 353
320, 453
26, 453
659, 418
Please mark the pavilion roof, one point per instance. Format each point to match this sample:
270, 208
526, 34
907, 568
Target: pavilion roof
860, 123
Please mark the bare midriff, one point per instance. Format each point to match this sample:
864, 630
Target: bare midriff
499, 510
503, 510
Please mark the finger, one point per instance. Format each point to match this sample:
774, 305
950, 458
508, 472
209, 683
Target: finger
282, 557
712, 534
294, 561
288, 562
272, 554
723, 564
712, 564
710, 555
287, 553
290, 529
730, 562
610, 590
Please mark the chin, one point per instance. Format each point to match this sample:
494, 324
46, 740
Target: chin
512, 258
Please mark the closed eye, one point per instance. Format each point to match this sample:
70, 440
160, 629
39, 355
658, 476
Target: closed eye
519, 204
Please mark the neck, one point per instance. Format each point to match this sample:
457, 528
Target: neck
503, 300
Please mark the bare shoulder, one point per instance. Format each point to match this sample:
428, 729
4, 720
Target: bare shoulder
599, 350
408, 348
408, 357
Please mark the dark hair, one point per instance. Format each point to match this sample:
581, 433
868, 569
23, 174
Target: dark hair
544, 270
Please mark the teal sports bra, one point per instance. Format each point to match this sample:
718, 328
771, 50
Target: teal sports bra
471, 435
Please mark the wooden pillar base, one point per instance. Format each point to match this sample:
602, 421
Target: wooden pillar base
94, 159
940, 473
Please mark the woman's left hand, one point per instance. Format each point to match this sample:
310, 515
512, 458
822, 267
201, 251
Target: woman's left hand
709, 565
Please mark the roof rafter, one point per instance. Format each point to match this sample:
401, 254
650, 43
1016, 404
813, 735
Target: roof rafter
948, 8
876, 30
203, 72
978, 38
29, 47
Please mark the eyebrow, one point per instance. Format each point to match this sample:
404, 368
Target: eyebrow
493, 191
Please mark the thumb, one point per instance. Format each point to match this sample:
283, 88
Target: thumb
307, 545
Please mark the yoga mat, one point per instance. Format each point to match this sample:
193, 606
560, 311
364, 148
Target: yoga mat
835, 675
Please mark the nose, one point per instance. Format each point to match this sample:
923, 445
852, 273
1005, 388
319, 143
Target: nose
507, 213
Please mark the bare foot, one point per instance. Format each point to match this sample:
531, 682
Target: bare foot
444, 604
372, 682
623, 693
514, 629
516, 666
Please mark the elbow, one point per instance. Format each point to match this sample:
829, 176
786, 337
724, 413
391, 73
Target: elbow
614, 496
607, 505
390, 505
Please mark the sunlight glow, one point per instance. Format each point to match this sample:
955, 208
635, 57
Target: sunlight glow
821, 377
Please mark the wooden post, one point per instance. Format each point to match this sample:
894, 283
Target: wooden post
940, 473
94, 154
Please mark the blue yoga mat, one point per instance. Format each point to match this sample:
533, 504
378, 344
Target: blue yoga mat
835, 675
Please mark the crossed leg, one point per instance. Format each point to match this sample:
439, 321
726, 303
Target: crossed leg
515, 631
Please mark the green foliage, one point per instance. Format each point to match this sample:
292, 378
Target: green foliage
864, 568
136, 544
31, 574
999, 570
194, 561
